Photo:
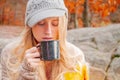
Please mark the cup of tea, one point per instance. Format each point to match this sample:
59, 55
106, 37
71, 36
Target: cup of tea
49, 50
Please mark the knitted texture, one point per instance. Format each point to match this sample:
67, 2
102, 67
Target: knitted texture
40, 9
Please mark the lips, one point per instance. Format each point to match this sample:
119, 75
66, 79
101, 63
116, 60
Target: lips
47, 38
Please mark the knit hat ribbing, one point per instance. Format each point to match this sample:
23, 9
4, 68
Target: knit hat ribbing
40, 9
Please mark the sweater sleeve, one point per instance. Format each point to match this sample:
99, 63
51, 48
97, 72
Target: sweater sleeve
4, 69
11, 70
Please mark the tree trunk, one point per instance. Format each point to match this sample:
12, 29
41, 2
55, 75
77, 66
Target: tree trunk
76, 21
76, 17
85, 14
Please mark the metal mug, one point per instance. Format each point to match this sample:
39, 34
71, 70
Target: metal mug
49, 50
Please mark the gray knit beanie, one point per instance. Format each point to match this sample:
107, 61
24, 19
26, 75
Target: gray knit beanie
38, 10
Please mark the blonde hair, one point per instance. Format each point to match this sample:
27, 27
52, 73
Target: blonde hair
26, 41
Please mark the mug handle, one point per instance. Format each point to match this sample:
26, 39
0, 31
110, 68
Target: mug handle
38, 47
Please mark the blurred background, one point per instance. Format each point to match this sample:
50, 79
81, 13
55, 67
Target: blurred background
82, 13
94, 27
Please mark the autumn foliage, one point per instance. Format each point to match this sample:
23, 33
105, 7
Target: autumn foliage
98, 12
101, 7
104, 8
73, 5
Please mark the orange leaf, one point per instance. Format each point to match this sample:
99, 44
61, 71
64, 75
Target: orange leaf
80, 2
105, 13
80, 10
110, 2
112, 9
118, 1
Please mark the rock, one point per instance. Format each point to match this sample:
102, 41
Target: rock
95, 57
99, 46
105, 41
117, 53
114, 30
0, 71
97, 74
114, 70
80, 35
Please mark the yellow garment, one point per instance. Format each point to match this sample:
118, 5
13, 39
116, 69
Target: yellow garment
81, 74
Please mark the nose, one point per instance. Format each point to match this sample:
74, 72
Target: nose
48, 29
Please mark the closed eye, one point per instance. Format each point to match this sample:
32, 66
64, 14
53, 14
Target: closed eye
55, 23
41, 23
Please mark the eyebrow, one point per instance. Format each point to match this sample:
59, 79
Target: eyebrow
55, 19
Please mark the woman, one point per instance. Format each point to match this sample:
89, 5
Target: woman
45, 20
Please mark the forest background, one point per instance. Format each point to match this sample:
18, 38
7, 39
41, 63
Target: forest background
82, 13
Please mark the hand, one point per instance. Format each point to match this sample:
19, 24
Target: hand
32, 57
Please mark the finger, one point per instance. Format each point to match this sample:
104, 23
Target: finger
38, 45
35, 60
32, 55
32, 50
34, 65
35, 55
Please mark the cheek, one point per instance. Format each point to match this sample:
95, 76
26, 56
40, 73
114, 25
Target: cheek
56, 33
37, 33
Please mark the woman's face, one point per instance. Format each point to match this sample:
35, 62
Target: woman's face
46, 29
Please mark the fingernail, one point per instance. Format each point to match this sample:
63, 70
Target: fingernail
37, 46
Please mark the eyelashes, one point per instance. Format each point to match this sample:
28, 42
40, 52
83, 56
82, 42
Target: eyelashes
52, 23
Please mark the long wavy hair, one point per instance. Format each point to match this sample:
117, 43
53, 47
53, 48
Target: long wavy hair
27, 41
